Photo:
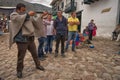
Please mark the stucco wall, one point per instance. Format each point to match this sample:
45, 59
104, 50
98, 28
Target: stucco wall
105, 21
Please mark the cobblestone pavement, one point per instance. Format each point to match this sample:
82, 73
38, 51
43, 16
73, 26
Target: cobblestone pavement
99, 63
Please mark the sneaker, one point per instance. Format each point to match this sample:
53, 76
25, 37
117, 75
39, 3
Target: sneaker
19, 74
40, 68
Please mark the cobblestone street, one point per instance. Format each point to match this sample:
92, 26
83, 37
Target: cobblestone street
99, 63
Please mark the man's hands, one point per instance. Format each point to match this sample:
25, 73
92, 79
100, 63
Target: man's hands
31, 13
74, 23
71, 23
54, 31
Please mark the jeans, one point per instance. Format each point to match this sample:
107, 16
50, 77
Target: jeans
90, 34
71, 36
59, 38
48, 46
41, 41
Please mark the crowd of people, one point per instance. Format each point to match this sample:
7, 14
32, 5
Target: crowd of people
3, 25
24, 27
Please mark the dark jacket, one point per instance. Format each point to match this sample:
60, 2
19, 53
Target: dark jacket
60, 26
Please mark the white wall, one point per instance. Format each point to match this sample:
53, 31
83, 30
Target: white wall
65, 15
105, 21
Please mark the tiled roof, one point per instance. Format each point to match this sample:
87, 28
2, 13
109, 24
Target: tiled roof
30, 6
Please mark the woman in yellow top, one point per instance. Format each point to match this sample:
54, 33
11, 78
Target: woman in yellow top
73, 23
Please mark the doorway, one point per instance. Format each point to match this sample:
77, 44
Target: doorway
79, 16
119, 12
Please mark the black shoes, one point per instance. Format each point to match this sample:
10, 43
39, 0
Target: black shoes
40, 68
73, 50
45, 56
63, 55
42, 58
19, 74
56, 54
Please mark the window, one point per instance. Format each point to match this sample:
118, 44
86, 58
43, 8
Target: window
88, 1
62, 5
68, 1
58, 7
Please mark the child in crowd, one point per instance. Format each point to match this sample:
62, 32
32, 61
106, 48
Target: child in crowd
94, 30
79, 39
82, 38
86, 32
86, 35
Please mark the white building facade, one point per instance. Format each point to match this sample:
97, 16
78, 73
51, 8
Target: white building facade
106, 13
